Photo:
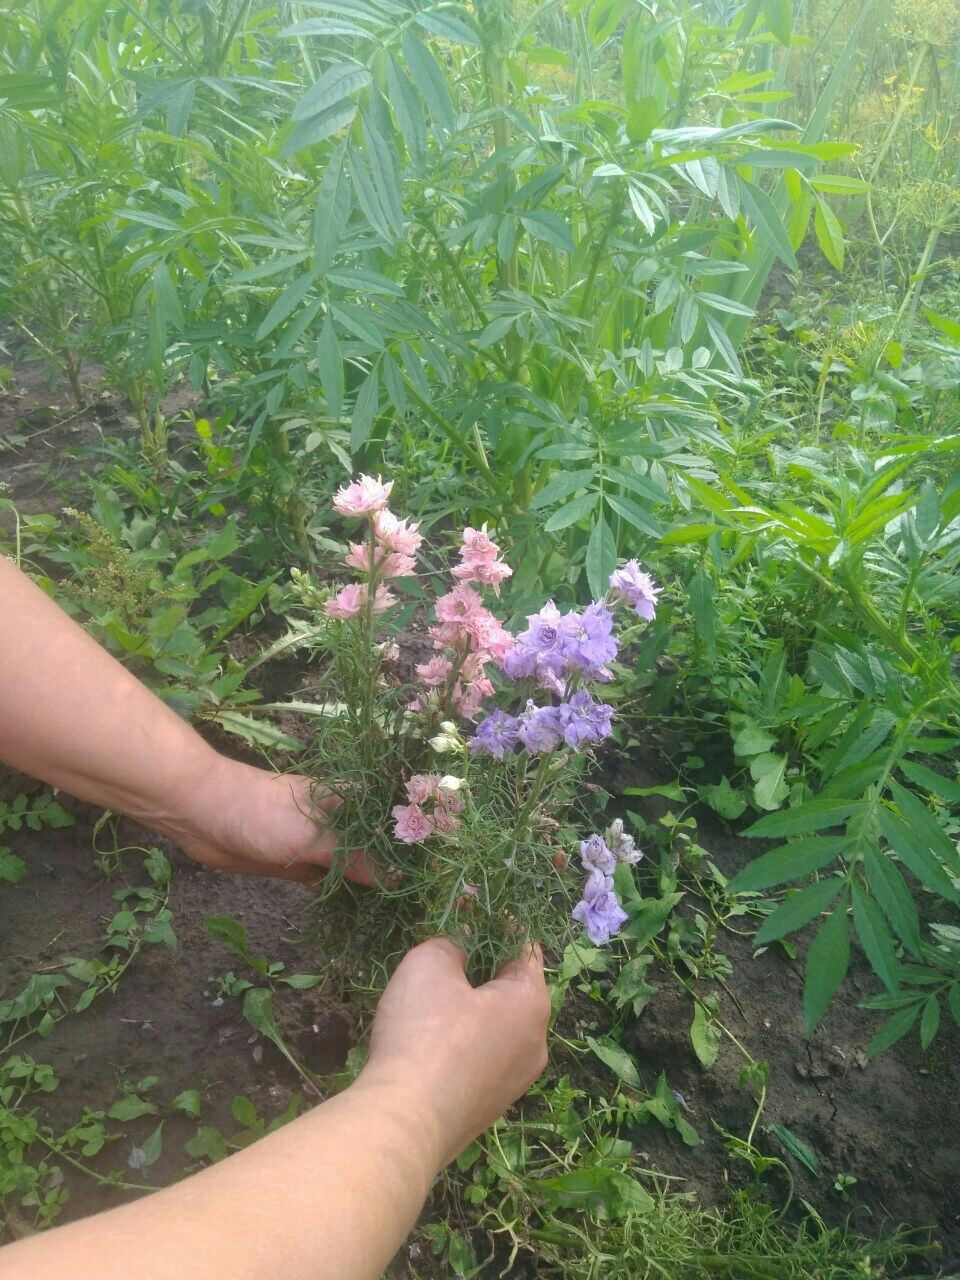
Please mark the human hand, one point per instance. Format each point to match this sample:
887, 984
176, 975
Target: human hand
246, 820
462, 1053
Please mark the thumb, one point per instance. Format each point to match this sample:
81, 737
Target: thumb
526, 969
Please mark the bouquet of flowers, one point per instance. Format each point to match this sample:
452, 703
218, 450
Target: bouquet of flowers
467, 808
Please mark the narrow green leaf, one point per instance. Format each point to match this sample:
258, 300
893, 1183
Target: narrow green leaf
330, 366
922, 822
914, 853
889, 889
798, 910
829, 233
827, 962
288, 302
562, 486
812, 815
331, 214
601, 557
449, 26
365, 409
573, 511
894, 1029
701, 594
765, 218
406, 106
839, 184
550, 228
429, 79
634, 514
929, 1021
317, 128
787, 862
385, 175
779, 18
337, 82
875, 939
644, 486
725, 348
797, 1147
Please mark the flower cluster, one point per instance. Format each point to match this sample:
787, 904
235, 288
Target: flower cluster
561, 656
480, 560
389, 551
435, 806
636, 588
575, 723
466, 635
556, 646
599, 909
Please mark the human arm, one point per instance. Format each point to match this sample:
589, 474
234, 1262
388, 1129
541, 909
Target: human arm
74, 717
332, 1195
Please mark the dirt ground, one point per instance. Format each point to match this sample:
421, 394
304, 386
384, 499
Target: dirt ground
893, 1124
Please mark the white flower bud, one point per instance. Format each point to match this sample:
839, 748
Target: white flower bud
443, 743
450, 783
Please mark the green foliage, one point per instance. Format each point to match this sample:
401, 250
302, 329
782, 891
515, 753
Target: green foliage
601, 277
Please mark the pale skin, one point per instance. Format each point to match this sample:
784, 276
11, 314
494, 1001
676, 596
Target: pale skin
333, 1194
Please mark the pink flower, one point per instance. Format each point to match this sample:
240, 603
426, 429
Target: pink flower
489, 634
445, 822
469, 699
461, 605
435, 672
359, 557
422, 787
395, 534
384, 599
411, 824
348, 603
363, 496
479, 560
352, 600
391, 565
397, 565
478, 545
489, 573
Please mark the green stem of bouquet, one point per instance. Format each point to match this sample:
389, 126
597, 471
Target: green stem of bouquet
367, 686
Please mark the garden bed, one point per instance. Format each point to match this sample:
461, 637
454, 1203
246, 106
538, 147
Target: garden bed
891, 1124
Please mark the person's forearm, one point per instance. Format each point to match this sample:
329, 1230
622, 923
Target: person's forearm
74, 717
329, 1197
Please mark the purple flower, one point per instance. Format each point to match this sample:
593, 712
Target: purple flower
537, 647
495, 736
541, 633
586, 639
585, 720
596, 858
540, 728
519, 661
598, 910
621, 845
637, 588
548, 679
